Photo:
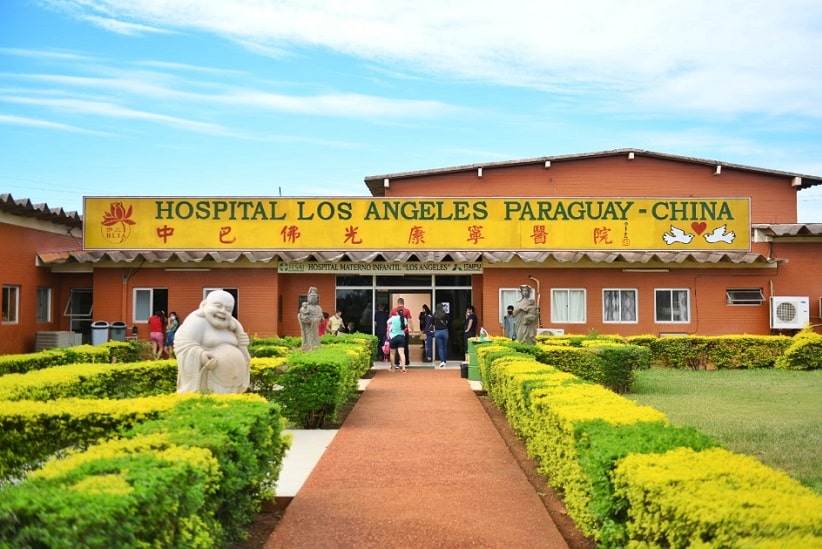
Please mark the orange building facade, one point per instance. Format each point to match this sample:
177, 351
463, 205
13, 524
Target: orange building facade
766, 281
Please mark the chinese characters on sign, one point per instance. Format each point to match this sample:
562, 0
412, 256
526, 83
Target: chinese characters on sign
427, 224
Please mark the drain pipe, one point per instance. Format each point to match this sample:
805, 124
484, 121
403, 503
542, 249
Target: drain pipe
539, 305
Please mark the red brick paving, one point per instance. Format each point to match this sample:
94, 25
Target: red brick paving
417, 463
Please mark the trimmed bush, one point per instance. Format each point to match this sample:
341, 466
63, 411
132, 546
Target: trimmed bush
142, 493
713, 498
804, 352
30, 431
315, 385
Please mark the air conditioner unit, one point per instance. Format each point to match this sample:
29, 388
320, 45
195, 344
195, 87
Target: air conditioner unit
790, 313
550, 331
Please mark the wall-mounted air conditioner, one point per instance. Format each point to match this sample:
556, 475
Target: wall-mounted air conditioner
551, 331
790, 313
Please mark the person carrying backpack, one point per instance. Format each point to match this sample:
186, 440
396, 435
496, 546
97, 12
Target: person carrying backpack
406, 324
397, 326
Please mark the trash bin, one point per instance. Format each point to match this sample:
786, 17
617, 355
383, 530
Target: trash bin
464, 370
99, 332
118, 331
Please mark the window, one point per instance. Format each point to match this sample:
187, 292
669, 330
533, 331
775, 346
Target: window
508, 296
148, 300
43, 304
568, 305
672, 305
80, 303
744, 296
11, 304
619, 305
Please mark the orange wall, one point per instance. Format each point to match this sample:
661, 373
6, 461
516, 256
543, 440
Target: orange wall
19, 269
258, 294
292, 286
710, 315
773, 199
267, 301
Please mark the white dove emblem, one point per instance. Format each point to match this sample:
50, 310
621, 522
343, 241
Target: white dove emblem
719, 235
677, 235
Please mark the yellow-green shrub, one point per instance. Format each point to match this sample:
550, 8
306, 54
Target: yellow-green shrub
804, 352
147, 492
577, 430
734, 351
32, 430
75, 501
713, 498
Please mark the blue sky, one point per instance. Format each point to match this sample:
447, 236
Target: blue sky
306, 98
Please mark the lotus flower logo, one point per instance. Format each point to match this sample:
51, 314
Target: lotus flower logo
117, 222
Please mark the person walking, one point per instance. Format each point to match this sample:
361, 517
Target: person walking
397, 326
409, 327
427, 333
156, 327
380, 328
440, 325
171, 328
470, 326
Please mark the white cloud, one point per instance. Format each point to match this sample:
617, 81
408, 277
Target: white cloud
110, 110
145, 84
701, 55
122, 27
44, 124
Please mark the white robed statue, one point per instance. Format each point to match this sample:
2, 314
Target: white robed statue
212, 349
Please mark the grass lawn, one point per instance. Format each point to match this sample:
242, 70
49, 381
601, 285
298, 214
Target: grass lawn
774, 415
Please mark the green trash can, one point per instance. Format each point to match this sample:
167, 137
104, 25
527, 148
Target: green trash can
118, 331
473, 361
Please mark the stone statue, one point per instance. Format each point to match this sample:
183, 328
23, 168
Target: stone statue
212, 349
525, 317
310, 316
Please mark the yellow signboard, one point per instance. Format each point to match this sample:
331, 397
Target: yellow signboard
449, 224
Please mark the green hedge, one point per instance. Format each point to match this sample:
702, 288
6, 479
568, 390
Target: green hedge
31, 431
116, 381
582, 433
315, 385
803, 353
113, 351
719, 352
714, 498
192, 478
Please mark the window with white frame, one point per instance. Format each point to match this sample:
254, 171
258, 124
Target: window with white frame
11, 304
568, 305
43, 313
507, 296
619, 305
147, 301
672, 305
234, 292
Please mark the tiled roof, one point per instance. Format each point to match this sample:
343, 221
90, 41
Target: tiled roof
619, 258
789, 229
26, 208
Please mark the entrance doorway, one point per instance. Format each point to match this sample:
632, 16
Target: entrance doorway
357, 297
